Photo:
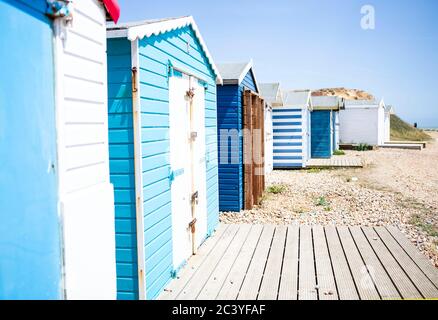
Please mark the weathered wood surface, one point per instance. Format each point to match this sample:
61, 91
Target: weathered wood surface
335, 162
267, 262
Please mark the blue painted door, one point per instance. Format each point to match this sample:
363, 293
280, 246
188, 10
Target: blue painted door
321, 136
29, 228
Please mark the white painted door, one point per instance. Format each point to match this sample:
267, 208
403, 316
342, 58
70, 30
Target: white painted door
179, 132
187, 159
199, 162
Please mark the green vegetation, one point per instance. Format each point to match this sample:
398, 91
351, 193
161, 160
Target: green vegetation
402, 131
276, 189
429, 228
314, 170
321, 201
339, 153
362, 147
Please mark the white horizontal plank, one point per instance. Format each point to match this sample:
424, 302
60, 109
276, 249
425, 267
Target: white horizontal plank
84, 90
85, 177
82, 112
76, 157
92, 8
78, 45
90, 25
78, 67
76, 134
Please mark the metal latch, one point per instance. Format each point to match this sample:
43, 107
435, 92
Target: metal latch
193, 135
192, 225
195, 197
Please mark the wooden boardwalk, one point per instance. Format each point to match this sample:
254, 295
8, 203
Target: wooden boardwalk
335, 162
266, 262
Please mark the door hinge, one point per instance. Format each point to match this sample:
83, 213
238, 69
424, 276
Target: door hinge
195, 198
192, 225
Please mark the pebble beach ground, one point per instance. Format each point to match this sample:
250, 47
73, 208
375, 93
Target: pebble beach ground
395, 187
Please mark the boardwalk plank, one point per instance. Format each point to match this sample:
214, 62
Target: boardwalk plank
384, 285
271, 276
289, 273
232, 284
396, 273
364, 283
175, 287
192, 289
422, 262
344, 280
324, 272
220, 273
251, 284
307, 280
424, 285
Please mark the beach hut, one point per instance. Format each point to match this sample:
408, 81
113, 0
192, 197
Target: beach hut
240, 126
291, 123
56, 204
364, 121
163, 149
271, 93
325, 125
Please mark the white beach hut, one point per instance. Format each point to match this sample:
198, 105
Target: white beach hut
271, 93
364, 121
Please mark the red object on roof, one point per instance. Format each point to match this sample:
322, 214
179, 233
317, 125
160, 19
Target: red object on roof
113, 9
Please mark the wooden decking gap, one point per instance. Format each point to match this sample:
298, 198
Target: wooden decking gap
267, 262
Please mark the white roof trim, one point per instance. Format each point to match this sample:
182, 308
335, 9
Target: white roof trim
159, 27
249, 67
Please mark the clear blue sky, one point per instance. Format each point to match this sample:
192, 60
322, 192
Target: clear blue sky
320, 43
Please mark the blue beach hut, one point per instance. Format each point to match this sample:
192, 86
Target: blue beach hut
324, 125
235, 191
163, 149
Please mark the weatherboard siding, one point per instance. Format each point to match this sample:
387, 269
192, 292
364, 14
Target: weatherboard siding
121, 153
229, 119
321, 135
181, 49
289, 143
230, 152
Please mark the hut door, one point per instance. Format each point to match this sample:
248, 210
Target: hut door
187, 159
179, 134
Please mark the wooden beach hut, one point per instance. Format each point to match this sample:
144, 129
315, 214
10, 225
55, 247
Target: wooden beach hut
364, 121
325, 125
240, 126
272, 96
56, 204
291, 123
163, 149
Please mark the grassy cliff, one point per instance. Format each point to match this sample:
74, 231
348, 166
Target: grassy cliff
402, 131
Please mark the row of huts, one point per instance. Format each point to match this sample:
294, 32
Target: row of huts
120, 144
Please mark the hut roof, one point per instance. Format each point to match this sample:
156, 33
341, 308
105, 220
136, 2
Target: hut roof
297, 98
234, 73
327, 102
271, 92
147, 28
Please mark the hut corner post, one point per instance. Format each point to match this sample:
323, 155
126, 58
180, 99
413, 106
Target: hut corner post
136, 113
